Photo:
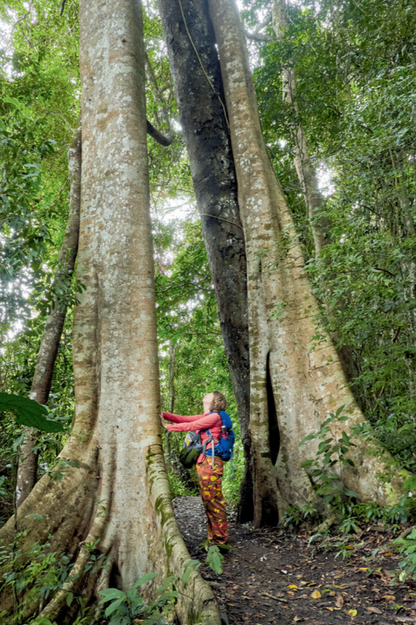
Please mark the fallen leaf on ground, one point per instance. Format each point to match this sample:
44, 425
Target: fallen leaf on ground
316, 594
389, 597
293, 586
339, 601
375, 610
352, 613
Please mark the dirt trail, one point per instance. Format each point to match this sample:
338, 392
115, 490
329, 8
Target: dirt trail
272, 576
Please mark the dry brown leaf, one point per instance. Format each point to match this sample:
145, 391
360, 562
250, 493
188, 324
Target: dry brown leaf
332, 594
374, 610
339, 601
316, 594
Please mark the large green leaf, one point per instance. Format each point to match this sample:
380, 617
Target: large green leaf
29, 412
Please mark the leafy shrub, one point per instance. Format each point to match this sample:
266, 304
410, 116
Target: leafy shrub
125, 606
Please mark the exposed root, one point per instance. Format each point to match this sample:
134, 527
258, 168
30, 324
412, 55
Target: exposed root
76, 576
325, 525
407, 532
103, 583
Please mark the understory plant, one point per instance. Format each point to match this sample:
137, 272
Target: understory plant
125, 606
332, 451
350, 512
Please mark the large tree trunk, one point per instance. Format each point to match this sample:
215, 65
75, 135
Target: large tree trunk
292, 387
314, 200
117, 493
200, 96
171, 399
48, 350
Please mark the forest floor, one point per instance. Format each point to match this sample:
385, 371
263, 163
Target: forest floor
272, 575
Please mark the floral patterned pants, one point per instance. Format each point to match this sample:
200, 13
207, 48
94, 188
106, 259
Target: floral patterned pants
209, 481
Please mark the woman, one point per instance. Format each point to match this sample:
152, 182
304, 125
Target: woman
209, 477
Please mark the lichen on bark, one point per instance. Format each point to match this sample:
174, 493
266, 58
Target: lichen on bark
108, 493
307, 384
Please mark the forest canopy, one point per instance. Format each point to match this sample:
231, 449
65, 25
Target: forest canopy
335, 83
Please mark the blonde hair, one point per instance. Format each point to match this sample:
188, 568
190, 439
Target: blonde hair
218, 402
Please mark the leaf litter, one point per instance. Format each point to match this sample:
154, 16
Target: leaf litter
272, 576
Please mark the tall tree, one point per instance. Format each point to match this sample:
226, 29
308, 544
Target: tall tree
203, 115
304, 167
292, 388
115, 493
42, 378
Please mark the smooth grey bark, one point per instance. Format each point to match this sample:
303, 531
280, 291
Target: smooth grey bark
198, 86
291, 386
171, 401
115, 492
48, 350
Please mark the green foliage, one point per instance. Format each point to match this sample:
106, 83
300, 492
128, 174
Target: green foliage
407, 546
28, 412
355, 98
178, 488
297, 515
215, 559
36, 575
125, 606
332, 451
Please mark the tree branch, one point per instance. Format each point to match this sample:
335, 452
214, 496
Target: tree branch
157, 135
257, 37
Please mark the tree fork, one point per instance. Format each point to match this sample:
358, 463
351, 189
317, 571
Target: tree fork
201, 102
306, 385
115, 489
48, 350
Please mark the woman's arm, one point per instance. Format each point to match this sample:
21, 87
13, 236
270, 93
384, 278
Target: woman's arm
202, 422
177, 418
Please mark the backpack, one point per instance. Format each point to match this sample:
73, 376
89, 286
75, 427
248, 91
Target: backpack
224, 447
192, 445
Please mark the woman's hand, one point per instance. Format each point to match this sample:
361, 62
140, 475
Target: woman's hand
162, 421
